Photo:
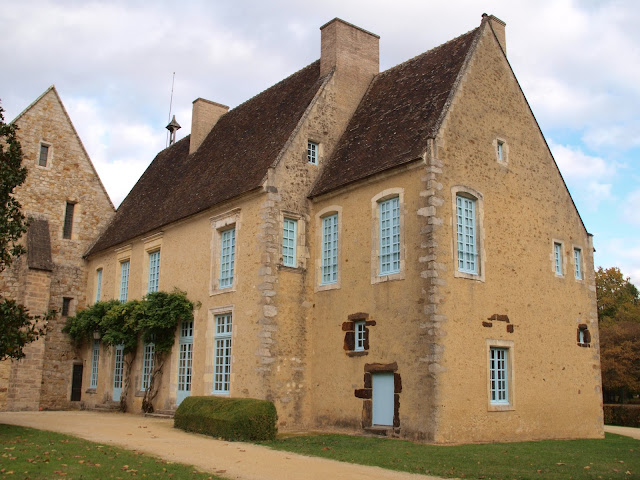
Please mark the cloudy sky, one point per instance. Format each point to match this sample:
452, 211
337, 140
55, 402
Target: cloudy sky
112, 62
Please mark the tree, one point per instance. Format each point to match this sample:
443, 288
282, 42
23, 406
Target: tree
17, 327
618, 298
619, 319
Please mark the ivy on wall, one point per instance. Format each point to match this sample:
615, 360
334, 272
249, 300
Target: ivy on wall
153, 319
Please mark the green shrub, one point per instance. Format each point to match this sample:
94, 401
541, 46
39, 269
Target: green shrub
624, 415
241, 419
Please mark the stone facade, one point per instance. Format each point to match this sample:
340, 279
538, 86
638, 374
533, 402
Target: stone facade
428, 327
62, 175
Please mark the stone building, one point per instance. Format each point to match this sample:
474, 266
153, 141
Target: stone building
391, 251
67, 207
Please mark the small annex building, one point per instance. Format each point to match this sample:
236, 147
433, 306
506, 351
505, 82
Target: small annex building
67, 208
392, 251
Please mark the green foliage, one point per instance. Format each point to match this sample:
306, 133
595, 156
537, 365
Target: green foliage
624, 415
240, 419
12, 174
614, 457
163, 313
618, 298
81, 327
18, 328
120, 324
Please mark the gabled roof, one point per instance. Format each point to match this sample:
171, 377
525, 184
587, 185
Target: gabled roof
232, 160
53, 90
400, 111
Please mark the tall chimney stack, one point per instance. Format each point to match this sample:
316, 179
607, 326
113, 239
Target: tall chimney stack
204, 116
498, 27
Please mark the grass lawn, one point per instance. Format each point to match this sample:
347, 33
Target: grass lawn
615, 457
26, 453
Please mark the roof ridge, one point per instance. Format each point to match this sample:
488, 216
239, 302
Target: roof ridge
420, 55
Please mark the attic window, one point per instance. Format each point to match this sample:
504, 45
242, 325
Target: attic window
501, 151
44, 155
312, 153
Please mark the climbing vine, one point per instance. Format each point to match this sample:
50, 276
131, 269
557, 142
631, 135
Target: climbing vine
153, 320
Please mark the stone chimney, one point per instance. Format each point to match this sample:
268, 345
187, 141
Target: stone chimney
346, 46
497, 26
204, 117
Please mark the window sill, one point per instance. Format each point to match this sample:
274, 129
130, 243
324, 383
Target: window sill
496, 407
327, 286
286, 268
357, 353
91, 391
585, 345
219, 291
469, 276
387, 278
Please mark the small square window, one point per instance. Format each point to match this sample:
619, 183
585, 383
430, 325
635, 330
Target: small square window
312, 153
44, 155
360, 331
66, 305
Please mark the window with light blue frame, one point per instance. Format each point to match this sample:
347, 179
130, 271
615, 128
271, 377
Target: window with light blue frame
289, 242
95, 357
499, 373
154, 271
329, 249
389, 253
124, 280
222, 362
98, 284
577, 260
360, 333
227, 257
467, 235
147, 365
557, 258
312, 152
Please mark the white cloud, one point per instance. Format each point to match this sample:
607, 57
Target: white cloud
632, 209
616, 137
623, 253
575, 164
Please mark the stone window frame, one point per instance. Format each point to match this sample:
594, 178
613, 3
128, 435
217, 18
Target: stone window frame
382, 196
349, 327
98, 283
122, 255
49, 159
151, 244
468, 192
73, 219
219, 224
563, 258
366, 393
325, 212
583, 336
316, 161
210, 342
577, 248
500, 144
509, 345
67, 310
301, 240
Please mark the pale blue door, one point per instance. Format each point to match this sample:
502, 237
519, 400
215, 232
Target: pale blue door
382, 399
117, 373
185, 360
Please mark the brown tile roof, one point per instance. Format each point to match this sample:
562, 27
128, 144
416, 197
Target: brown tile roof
39, 245
232, 160
397, 115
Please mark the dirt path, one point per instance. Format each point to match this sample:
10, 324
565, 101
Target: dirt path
626, 431
155, 436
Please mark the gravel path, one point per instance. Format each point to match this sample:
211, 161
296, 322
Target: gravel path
234, 460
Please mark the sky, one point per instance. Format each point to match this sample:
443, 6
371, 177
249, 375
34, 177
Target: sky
112, 62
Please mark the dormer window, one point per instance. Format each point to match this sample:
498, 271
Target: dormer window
312, 153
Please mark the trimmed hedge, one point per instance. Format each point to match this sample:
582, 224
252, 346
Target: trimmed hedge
623, 415
241, 419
